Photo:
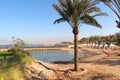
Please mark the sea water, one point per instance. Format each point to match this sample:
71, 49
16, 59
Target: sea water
53, 55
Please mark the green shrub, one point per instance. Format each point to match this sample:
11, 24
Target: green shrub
21, 58
11, 72
24, 58
13, 67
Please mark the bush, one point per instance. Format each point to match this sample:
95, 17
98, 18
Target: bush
21, 58
13, 67
24, 58
11, 72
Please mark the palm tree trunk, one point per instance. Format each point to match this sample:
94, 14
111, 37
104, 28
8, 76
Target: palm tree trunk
76, 58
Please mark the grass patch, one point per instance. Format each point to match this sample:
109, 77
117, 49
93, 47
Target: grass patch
13, 67
8, 72
15, 59
23, 58
5, 54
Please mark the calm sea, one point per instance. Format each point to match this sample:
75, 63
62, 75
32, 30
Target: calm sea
53, 55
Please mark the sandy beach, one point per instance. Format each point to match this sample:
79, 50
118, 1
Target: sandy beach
98, 66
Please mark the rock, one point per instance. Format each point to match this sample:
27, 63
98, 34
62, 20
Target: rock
47, 74
38, 71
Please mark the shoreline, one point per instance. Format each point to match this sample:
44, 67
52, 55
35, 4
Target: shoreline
86, 52
99, 66
38, 49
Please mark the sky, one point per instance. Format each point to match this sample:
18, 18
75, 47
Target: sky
32, 21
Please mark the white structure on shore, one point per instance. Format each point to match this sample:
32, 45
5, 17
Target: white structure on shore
80, 45
94, 46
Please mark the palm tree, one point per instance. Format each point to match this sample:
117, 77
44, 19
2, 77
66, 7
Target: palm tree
83, 40
117, 38
114, 5
77, 12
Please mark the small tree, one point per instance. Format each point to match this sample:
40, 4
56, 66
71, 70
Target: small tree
18, 45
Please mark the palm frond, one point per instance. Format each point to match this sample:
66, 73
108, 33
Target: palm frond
100, 14
93, 9
93, 3
62, 4
76, 12
70, 9
60, 11
59, 20
114, 5
106, 1
90, 21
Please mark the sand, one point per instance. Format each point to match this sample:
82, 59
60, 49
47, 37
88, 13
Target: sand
98, 65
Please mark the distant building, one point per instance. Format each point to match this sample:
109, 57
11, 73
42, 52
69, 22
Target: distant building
80, 45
